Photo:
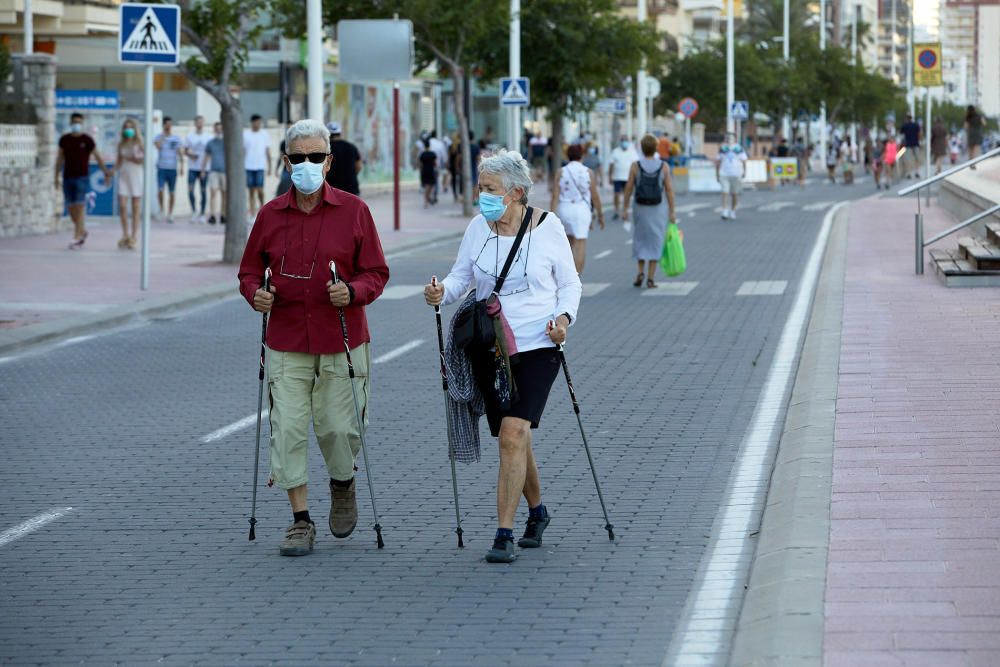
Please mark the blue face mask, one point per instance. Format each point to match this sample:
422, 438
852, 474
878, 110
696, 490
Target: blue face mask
307, 177
491, 206
76, 128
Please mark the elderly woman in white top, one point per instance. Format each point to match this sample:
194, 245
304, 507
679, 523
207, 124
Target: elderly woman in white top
541, 286
575, 201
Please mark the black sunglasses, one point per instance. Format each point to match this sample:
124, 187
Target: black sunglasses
299, 158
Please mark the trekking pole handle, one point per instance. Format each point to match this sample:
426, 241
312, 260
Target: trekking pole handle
267, 279
434, 283
552, 325
333, 272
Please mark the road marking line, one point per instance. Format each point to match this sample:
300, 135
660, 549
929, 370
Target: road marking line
670, 289
399, 351
762, 288
818, 206
394, 292
691, 207
719, 591
603, 254
776, 206
31, 525
55, 306
628, 242
593, 289
235, 427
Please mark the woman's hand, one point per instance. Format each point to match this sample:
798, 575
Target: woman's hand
556, 330
434, 292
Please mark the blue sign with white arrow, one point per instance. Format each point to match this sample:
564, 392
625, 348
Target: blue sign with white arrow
515, 92
149, 34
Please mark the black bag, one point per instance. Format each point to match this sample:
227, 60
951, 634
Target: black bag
649, 189
474, 330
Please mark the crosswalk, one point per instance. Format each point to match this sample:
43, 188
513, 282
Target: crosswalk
666, 288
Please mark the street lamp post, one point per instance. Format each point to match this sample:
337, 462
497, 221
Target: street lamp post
730, 69
854, 63
314, 34
640, 80
786, 123
29, 28
822, 106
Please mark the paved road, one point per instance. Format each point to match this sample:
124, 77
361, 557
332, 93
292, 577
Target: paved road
152, 563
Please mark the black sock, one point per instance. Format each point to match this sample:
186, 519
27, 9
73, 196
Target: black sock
538, 512
504, 535
302, 516
342, 484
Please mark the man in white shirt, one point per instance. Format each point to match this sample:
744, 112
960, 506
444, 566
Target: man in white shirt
621, 161
729, 170
441, 151
257, 156
194, 148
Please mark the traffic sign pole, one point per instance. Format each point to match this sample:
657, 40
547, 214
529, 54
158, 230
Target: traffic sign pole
147, 176
514, 131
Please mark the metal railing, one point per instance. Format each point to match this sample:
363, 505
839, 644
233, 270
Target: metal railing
922, 243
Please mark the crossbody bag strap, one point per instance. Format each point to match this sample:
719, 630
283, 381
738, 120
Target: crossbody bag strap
513, 250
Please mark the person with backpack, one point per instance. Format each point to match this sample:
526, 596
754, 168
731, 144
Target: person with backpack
649, 179
730, 167
575, 202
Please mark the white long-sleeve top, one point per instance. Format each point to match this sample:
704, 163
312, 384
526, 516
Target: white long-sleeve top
541, 285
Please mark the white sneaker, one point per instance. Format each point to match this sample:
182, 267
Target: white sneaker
725, 214
732, 214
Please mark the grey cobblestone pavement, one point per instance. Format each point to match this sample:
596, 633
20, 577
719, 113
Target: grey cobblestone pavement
153, 566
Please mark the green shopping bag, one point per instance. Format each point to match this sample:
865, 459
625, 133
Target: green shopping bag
673, 261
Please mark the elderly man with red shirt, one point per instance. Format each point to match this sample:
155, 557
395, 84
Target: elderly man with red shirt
296, 235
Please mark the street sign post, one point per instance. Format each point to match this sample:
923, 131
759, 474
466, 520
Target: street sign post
611, 105
688, 107
927, 73
515, 91
148, 35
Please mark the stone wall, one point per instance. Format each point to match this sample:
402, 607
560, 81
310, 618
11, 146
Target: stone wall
28, 202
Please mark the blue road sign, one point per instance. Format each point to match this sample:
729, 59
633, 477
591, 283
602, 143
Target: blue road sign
149, 34
515, 92
86, 99
740, 110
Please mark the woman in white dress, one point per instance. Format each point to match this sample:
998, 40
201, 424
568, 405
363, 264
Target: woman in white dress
129, 168
575, 201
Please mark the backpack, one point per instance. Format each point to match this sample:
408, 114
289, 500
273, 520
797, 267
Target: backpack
649, 189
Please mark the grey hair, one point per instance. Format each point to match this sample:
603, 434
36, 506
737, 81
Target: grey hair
512, 169
307, 129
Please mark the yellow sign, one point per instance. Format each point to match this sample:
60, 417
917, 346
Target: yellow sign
737, 8
927, 64
784, 168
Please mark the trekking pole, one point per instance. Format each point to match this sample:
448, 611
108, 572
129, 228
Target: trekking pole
357, 410
447, 415
260, 408
576, 408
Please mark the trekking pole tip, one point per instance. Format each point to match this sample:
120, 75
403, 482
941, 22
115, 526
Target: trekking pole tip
253, 535
611, 532
378, 536
461, 544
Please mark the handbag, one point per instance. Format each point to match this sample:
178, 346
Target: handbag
474, 330
673, 261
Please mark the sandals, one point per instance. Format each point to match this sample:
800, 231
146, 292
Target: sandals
123, 243
638, 280
650, 284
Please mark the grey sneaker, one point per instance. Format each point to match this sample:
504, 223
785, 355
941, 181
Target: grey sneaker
343, 510
299, 539
502, 552
533, 533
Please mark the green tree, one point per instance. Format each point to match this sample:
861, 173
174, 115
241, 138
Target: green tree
223, 31
576, 47
454, 34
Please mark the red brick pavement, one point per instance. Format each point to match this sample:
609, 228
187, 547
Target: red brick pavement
914, 567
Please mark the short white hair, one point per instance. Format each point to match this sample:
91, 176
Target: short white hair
307, 129
511, 168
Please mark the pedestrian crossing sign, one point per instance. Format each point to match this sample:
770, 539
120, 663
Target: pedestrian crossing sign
149, 34
740, 110
515, 91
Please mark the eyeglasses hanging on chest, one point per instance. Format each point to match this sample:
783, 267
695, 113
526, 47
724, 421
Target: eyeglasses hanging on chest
516, 279
312, 265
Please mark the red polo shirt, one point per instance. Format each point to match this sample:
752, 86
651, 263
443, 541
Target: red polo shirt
340, 228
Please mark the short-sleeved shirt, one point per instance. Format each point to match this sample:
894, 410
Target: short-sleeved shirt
911, 134
76, 154
255, 145
621, 163
731, 161
170, 146
428, 161
195, 143
343, 173
216, 152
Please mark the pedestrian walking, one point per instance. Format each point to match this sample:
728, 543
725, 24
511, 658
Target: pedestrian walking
622, 159
537, 146
878, 163
649, 180
974, 124
832, 158
912, 134
592, 161
519, 262
954, 147
575, 202
214, 164
441, 153
939, 143
296, 235
169, 163
428, 173
76, 149
891, 156
347, 164
730, 168
129, 167
194, 150
284, 178
256, 159
456, 181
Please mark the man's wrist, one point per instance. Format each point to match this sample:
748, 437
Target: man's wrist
350, 291
567, 317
